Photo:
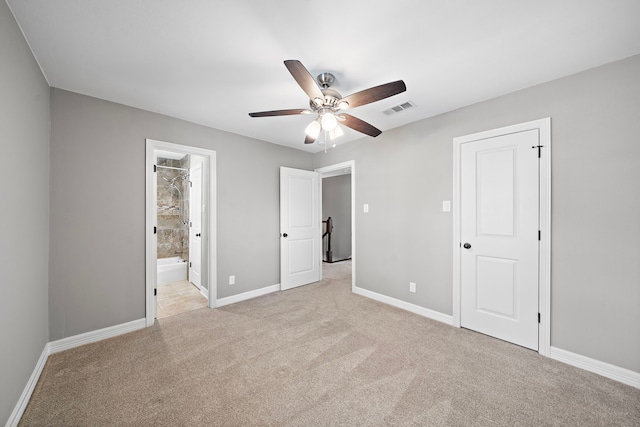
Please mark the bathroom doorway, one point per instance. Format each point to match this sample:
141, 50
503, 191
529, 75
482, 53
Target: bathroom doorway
179, 195
181, 225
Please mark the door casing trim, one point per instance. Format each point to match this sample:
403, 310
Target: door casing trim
544, 249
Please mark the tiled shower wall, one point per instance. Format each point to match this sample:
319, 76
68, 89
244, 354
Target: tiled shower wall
173, 212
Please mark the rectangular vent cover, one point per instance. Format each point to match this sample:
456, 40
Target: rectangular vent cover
401, 107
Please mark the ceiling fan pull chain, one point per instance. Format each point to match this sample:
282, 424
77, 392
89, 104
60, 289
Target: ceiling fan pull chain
326, 141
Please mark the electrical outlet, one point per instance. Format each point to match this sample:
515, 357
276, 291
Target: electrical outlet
412, 287
232, 280
446, 206
365, 207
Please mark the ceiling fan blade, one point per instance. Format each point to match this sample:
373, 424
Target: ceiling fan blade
291, 112
359, 125
304, 79
374, 94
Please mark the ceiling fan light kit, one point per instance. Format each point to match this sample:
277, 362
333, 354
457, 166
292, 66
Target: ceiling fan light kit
328, 103
329, 121
313, 129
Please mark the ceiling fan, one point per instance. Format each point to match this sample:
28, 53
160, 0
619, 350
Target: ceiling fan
329, 104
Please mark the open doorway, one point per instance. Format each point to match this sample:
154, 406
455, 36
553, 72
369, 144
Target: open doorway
179, 218
180, 229
337, 183
336, 217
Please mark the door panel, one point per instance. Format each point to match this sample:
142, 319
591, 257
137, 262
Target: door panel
299, 228
495, 192
299, 259
499, 220
496, 286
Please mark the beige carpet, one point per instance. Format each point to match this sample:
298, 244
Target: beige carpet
318, 356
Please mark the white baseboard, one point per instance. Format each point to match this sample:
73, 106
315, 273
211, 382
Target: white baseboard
61, 345
15, 416
93, 336
204, 292
431, 314
247, 295
607, 370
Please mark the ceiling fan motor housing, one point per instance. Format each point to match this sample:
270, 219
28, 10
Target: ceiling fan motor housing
326, 80
331, 98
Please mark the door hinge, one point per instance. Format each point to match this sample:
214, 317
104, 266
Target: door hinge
155, 230
539, 147
189, 263
190, 184
155, 292
538, 317
155, 168
539, 235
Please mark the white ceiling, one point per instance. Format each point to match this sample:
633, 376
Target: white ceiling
213, 61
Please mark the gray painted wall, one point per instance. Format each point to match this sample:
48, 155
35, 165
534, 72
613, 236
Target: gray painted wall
96, 194
336, 203
595, 268
24, 216
98, 208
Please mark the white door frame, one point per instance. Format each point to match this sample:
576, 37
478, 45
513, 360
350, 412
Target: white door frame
209, 254
544, 255
326, 172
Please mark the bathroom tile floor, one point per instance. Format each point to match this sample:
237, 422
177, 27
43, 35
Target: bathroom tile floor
178, 297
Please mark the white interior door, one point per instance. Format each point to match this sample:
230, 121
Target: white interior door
299, 228
195, 225
499, 237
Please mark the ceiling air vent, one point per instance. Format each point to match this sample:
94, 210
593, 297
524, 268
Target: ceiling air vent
401, 107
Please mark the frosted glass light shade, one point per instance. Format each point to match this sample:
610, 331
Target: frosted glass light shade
313, 129
329, 121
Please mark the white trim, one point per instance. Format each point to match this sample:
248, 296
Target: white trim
247, 295
544, 271
425, 312
93, 336
18, 410
205, 292
329, 171
151, 243
209, 222
544, 257
607, 370
61, 345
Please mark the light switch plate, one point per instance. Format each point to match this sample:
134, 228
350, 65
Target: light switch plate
446, 206
365, 207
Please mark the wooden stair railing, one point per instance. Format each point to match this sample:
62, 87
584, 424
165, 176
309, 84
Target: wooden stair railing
328, 230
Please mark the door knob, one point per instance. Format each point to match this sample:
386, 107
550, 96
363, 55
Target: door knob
284, 234
467, 246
